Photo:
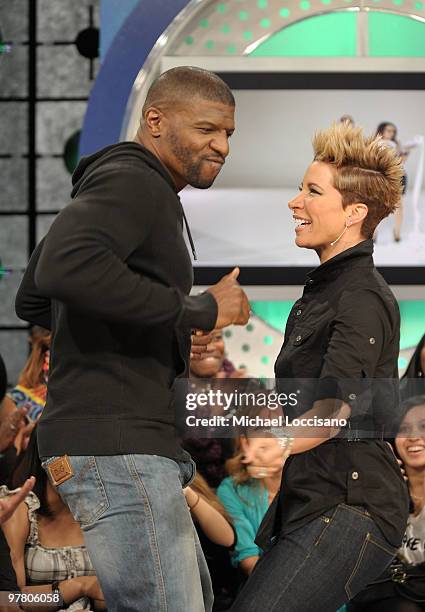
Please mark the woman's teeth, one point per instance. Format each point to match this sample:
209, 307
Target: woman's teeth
415, 449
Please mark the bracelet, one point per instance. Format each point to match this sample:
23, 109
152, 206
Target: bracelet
56, 591
285, 442
195, 504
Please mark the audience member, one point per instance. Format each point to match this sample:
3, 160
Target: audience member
208, 370
217, 537
402, 587
31, 390
46, 543
255, 475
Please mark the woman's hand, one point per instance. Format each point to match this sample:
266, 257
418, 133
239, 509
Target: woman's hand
10, 425
9, 504
23, 437
91, 588
191, 496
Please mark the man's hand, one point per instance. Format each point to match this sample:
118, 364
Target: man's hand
201, 344
9, 504
233, 305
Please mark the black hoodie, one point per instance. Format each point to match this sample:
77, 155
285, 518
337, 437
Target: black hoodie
115, 274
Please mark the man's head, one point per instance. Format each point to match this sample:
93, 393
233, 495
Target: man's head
187, 120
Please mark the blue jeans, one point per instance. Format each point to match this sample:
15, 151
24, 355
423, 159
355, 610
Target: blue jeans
139, 532
318, 567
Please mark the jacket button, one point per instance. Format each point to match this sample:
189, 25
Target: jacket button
299, 312
372, 340
355, 475
298, 338
352, 396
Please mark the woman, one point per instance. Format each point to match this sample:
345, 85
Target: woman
388, 133
387, 595
47, 545
217, 538
343, 503
31, 390
255, 475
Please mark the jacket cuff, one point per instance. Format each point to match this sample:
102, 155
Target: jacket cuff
199, 312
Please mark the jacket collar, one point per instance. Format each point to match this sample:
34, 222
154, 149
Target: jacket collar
359, 256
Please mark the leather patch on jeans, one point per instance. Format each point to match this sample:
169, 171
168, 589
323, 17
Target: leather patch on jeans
60, 470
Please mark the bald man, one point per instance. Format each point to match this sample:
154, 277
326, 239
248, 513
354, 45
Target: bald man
112, 281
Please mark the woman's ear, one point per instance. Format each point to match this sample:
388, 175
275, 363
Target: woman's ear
357, 213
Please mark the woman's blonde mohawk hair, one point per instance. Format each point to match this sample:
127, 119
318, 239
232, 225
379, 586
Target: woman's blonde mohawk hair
366, 170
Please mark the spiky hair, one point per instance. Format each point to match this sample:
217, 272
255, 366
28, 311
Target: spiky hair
366, 170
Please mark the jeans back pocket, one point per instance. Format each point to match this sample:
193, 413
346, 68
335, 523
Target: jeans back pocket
84, 493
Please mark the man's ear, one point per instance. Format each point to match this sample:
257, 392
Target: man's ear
153, 121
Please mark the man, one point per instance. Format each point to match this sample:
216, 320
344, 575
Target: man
115, 275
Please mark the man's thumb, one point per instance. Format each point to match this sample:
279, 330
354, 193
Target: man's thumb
234, 273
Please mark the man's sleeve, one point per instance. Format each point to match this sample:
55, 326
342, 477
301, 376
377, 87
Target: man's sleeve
30, 304
83, 260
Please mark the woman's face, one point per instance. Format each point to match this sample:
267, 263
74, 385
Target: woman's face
422, 360
262, 456
410, 440
210, 365
389, 132
317, 211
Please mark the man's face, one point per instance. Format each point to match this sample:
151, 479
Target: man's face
195, 141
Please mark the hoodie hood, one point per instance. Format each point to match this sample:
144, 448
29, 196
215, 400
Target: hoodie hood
123, 151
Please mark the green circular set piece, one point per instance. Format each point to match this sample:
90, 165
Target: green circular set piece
243, 15
249, 327
262, 4
204, 23
265, 23
209, 44
225, 28
248, 35
227, 333
268, 340
246, 348
231, 49
221, 8
284, 12
265, 360
419, 5
305, 5
189, 40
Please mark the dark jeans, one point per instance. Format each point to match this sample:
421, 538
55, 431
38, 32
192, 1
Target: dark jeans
318, 567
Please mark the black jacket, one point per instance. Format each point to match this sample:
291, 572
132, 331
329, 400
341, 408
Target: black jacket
343, 336
115, 274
